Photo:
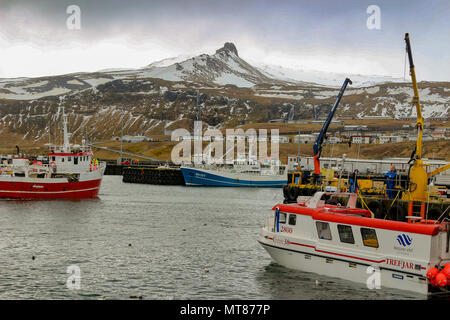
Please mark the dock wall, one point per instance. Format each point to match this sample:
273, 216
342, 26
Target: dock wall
151, 175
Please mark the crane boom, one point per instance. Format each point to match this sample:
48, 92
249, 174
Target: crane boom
318, 144
418, 178
439, 170
415, 99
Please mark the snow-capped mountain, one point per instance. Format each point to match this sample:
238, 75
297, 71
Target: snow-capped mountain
169, 61
323, 78
222, 68
225, 67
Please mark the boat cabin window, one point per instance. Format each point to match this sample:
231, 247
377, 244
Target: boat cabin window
62, 159
282, 218
75, 160
292, 219
69, 159
323, 230
53, 158
346, 234
369, 237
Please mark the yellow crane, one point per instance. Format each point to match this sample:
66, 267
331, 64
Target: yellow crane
439, 170
418, 178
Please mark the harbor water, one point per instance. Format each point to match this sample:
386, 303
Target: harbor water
154, 242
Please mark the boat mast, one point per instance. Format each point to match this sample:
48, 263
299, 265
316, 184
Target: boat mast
66, 143
66, 134
121, 143
298, 154
198, 116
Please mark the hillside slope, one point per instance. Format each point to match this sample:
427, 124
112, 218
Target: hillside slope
162, 96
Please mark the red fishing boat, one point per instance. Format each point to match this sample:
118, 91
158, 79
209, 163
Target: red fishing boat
71, 173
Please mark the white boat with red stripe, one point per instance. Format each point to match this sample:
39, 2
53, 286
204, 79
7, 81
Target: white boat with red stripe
346, 242
71, 173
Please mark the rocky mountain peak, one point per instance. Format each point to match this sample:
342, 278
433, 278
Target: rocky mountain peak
228, 47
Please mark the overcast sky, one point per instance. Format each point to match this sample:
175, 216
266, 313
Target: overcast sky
314, 35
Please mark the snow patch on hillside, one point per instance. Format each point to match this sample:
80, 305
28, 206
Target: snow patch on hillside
281, 96
31, 96
229, 78
166, 73
76, 82
97, 81
36, 84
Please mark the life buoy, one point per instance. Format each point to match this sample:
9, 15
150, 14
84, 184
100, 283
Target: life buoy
52, 164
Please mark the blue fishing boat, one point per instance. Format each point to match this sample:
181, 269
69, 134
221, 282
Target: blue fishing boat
251, 174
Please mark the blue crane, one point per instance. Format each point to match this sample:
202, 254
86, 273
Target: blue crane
318, 144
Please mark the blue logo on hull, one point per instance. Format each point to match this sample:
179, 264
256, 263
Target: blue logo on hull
404, 240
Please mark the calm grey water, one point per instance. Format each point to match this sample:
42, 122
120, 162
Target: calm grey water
186, 243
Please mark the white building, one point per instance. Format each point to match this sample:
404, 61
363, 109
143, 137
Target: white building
334, 140
425, 137
438, 135
187, 137
363, 139
280, 139
263, 139
390, 139
128, 138
218, 138
304, 138
355, 128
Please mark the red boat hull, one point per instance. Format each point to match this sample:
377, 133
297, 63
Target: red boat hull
65, 190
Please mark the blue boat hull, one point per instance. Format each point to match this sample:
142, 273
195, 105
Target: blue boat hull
197, 177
